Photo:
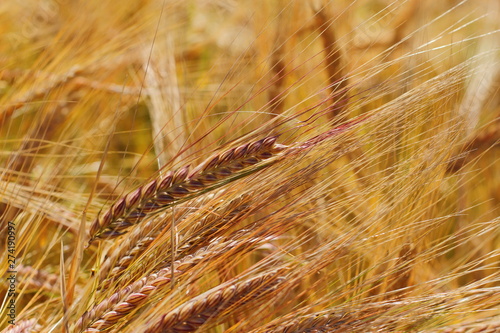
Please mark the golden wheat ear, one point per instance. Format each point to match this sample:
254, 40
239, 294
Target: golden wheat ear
189, 316
38, 279
130, 298
210, 224
23, 326
181, 185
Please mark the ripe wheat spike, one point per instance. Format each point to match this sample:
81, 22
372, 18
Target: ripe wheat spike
181, 185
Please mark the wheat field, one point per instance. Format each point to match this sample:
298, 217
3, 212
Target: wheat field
250, 166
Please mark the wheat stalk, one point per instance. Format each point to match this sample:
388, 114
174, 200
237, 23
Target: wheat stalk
333, 63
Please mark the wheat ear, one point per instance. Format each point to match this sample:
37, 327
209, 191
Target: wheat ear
400, 279
127, 251
180, 186
23, 160
177, 187
24, 326
57, 82
196, 236
74, 79
311, 323
484, 140
189, 316
121, 303
213, 223
37, 279
338, 321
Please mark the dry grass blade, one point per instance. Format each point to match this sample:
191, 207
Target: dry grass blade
189, 316
179, 186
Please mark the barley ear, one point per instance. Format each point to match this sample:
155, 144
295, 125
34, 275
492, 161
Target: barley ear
180, 186
189, 316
